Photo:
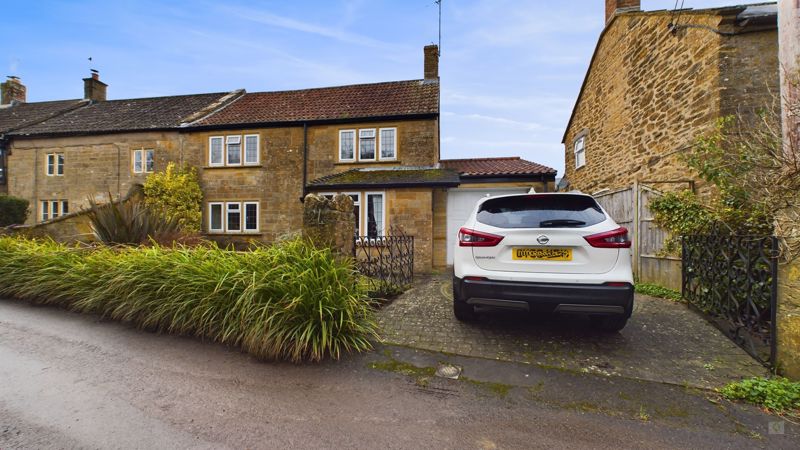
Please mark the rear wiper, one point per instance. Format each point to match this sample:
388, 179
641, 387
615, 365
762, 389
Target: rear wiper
560, 223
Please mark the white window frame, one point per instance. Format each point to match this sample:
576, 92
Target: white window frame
241, 150
221, 217
241, 217
54, 165
375, 139
382, 231
582, 140
244, 150
379, 152
152, 153
45, 210
244, 217
222, 148
140, 155
355, 145
64, 207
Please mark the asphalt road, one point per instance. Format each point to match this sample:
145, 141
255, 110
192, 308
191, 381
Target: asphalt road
74, 381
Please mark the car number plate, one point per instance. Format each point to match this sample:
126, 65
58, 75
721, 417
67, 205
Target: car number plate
542, 254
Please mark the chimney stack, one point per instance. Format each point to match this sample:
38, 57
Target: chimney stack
12, 91
93, 88
432, 62
615, 6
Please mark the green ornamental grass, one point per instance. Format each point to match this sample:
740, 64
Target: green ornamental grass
288, 301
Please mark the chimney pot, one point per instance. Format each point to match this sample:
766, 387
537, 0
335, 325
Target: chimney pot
93, 88
431, 62
12, 91
614, 6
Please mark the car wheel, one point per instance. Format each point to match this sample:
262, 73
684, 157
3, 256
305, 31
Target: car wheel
610, 324
464, 312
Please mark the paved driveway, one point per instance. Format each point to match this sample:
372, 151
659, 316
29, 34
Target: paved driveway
664, 341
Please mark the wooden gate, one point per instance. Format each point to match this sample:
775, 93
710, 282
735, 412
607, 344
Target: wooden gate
630, 207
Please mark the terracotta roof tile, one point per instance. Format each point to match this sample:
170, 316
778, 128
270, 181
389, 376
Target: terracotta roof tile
513, 165
396, 98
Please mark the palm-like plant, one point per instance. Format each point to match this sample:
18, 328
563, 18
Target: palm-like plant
128, 222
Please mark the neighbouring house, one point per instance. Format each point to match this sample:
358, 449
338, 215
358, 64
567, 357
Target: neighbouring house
657, 81
258, 154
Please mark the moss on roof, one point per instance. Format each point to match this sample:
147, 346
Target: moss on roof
389, 177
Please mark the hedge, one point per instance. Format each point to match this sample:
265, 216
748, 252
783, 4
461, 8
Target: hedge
289, 301
13, 210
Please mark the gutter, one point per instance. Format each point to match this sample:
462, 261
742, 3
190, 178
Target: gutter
305, 161
297, 123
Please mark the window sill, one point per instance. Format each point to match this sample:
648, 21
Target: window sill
380, 161
242, 166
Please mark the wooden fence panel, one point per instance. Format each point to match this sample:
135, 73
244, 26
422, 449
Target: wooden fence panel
630, 208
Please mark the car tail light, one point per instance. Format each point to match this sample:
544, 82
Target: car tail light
618, 284
610, 239
468, 237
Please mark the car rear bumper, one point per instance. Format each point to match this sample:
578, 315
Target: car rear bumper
546, 297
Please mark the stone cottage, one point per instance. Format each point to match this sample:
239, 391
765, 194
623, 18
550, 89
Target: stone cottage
657, 81
259, 153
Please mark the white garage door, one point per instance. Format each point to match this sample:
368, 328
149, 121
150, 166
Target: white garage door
460, 203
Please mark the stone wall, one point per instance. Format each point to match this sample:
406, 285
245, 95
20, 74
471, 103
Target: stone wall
439, 228
276, 182
410, 212
650, 93
94, 166
329, 223
788, 319
74, 227
417, 145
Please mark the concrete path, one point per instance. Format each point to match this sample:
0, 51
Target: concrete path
664, 341
73, 381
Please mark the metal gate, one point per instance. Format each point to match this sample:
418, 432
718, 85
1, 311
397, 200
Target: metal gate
387, 262
734, 280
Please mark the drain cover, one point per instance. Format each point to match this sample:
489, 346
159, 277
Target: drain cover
448, 371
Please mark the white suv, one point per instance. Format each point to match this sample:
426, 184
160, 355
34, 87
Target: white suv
553, 252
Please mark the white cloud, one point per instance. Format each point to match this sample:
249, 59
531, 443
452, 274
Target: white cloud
274, 20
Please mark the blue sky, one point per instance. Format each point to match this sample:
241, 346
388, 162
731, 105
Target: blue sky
510, 70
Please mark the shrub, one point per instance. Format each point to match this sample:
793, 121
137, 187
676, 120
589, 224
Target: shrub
13, 210
176, 194
289, 301
776, 394
129, 223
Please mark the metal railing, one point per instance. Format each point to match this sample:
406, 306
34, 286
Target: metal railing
734, 281
386, 261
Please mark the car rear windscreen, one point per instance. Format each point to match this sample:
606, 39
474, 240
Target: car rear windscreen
541, 211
